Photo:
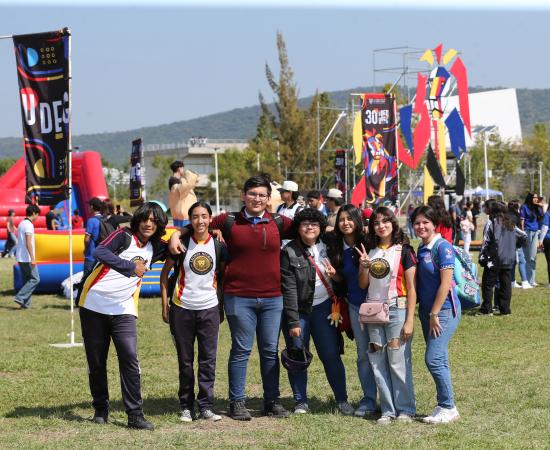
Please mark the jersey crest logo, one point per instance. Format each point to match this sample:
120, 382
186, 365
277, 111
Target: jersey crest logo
201, 263
379, 268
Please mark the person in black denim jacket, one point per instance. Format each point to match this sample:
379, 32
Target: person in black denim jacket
305, 273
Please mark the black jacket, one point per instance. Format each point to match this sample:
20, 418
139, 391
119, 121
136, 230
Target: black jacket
297, 282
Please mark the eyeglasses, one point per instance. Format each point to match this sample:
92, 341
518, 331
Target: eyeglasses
310, 224
253, 195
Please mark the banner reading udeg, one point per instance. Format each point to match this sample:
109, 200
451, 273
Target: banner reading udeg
43, 74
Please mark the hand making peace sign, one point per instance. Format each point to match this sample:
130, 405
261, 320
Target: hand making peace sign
364, 259
329, 270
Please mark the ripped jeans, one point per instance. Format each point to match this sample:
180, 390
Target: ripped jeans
392, 367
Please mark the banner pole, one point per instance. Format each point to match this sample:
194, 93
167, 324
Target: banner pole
72, 342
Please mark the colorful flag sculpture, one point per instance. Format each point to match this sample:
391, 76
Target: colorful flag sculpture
137, 194
375, 134
43, 73
434, 120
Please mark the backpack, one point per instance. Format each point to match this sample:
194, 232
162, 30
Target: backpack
105, 229
465, 284
230, 220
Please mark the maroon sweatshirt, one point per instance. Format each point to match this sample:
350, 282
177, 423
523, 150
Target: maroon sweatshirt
254, 268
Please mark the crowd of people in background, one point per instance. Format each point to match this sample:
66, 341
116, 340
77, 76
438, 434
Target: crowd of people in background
269, 273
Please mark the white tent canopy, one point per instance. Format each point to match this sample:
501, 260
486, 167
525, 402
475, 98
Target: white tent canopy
480, 192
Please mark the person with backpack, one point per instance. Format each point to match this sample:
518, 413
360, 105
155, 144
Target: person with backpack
341, 244
388, 269
306, 281
190, 306
109, 309
438, 311
91, 236
531, 215
252, 292
498, 254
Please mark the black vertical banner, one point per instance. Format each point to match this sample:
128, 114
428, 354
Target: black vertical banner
43, 73
136, 181
379, 148
340, 170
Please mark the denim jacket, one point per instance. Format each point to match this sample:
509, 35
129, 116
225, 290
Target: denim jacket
297, 282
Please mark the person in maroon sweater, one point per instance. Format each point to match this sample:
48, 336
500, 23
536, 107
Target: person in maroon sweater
252, 294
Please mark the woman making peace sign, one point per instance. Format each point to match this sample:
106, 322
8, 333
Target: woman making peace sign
388, 271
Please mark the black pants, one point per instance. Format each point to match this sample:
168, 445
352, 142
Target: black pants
546, 244
97, 332
185, 326
10, 243
503, 294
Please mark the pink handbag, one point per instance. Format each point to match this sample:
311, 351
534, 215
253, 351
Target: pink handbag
375, 312
379, 312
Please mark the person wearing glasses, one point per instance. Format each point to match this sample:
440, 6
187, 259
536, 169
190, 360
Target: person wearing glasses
252, 293
306, 278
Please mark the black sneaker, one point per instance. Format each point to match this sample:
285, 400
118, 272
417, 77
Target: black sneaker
138, 422
238, 411
101, 416
275, 409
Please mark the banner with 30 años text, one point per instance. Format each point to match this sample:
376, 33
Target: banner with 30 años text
379, 148
43, 72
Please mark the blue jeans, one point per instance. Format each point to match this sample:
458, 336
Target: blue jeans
248, 317
520, 257
392, 367
437, 353
530, 251
325, 338
364, 368
30, 279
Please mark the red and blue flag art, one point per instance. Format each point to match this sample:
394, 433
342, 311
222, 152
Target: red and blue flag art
430, 108
43, 74
379, 148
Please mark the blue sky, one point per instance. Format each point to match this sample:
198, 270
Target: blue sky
137, 65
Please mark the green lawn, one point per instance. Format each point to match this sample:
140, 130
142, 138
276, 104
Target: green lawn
500, 369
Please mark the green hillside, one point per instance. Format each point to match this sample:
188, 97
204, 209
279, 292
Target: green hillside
240, 123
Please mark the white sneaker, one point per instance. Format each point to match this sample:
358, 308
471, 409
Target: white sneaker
515, 284
301, 408
534, 284
208, 414
442, 415
346, 409
404, 418
526, 285
186, 416
384, 420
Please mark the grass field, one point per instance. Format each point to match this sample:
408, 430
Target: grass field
500, 368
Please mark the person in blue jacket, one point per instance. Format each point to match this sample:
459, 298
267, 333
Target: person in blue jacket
531, 217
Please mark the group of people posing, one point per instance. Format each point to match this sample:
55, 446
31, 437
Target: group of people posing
265, 289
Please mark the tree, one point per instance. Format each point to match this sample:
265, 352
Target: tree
162, 163
6, 164
286, 134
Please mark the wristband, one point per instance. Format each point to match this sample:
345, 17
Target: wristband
432, 314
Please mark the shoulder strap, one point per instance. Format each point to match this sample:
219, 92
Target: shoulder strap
229, 221
218, 252
326, 283
435, 254
280, 224
392, 292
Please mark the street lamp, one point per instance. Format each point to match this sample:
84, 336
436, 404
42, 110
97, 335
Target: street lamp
217, 181
484, 131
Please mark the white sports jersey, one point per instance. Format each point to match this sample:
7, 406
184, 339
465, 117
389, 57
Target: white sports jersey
197, 283
107, 291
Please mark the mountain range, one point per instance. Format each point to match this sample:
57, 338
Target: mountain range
240, 123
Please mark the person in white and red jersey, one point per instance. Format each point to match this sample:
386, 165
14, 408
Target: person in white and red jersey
109, 309
194, 311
